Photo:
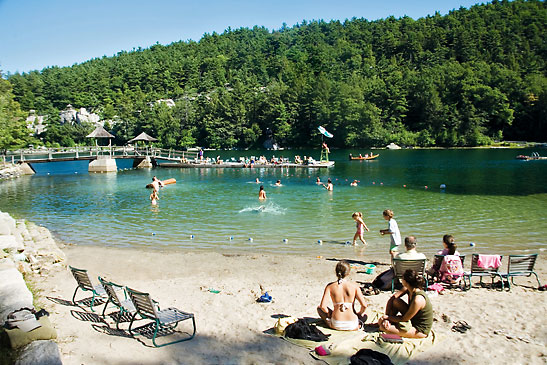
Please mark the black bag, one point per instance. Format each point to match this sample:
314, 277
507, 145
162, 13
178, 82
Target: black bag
383, 280
370, 357
301, 329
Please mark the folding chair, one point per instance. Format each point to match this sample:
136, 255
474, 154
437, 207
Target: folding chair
124, 305
84, 283
476, 270
164, 321
400, 266
521, 265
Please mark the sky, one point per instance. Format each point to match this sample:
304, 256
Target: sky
35, 34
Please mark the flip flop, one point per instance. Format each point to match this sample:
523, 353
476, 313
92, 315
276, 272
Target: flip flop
461, 326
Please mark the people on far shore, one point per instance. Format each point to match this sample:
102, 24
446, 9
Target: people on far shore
360, 224
261, 193
337, 307
413, 318
411, 252
329, 185
393, 231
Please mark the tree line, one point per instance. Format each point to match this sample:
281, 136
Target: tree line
467, 78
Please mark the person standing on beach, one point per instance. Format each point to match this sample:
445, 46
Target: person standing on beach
393, 231
261, 193
358, 218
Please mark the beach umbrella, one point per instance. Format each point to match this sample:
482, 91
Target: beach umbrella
324, 132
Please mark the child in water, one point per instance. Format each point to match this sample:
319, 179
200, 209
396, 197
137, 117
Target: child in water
154, 197
360, 224
261, 193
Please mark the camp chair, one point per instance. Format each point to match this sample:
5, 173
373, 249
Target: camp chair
164, 321
480, 272
124, 305
520, 265
400, 266
84, 283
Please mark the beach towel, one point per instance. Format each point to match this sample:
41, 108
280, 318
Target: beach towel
344, 344
489, 261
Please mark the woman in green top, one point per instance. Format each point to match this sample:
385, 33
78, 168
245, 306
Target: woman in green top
418, 310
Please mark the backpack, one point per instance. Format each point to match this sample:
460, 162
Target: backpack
383, 280
451, 269
301, 329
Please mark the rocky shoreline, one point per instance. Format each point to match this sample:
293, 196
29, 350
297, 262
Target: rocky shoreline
10, 171
26, 250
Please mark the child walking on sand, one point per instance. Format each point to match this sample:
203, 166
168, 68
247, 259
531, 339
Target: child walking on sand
360, 224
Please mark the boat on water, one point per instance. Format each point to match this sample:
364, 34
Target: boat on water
365, 157
534, 156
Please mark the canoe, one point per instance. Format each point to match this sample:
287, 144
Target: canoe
363, 157
164, 182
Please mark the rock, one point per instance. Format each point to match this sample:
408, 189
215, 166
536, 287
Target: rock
393, 146
7, 224
10, 243
40, 352
14, 293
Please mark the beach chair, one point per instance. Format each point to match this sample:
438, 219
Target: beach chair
520, 265
164, 321
124, 306
476, 270
84, 283
433, 272
400, 266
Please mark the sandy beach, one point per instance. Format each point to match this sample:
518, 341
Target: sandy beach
507, 327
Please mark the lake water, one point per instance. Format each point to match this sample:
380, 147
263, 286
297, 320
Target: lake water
491, 199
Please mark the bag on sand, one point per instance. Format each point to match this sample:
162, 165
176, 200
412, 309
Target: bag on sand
370, 357
301, 329
383, 280
451, 269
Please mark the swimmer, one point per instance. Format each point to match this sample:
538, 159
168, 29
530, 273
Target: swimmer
354, 183
258, 181
261, 193
318, 181
278, 183
154, 197
329, 185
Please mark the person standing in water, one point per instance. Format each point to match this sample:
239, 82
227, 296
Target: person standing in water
329, 185
360, 224
261, 193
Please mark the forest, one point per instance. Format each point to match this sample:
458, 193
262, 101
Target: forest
468, 78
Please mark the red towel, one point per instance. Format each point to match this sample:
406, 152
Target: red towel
489, 261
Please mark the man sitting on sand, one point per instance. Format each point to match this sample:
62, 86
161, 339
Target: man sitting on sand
411, 253
343, 294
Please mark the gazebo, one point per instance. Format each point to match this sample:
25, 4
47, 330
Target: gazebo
100, 132
102, 163
143, 137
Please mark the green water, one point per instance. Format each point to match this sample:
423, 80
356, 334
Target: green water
491, 199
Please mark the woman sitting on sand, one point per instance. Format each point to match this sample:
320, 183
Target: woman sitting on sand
414, 319
342, 294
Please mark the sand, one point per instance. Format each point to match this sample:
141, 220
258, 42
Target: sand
507, 327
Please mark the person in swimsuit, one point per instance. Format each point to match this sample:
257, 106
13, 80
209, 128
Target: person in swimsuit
413, 319
360, 224
343, 294
261, 193
329, 185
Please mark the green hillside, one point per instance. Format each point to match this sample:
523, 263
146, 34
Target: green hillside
463, 79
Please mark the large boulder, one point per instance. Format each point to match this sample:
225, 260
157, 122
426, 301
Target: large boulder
40, 352
7, 224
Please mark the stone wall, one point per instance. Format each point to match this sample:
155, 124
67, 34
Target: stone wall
26, 248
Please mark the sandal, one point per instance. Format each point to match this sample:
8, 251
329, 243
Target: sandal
461, 326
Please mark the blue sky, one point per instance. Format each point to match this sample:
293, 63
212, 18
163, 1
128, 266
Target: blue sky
37, 33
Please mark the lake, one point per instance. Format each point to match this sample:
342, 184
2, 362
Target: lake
491, 199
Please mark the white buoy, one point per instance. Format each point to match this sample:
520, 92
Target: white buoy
443, 186
348, 242
285, 240
192, 236
251, 239
319, 241
472, 244
153, 233
231, 238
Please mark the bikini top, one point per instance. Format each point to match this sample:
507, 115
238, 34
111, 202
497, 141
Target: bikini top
344, 306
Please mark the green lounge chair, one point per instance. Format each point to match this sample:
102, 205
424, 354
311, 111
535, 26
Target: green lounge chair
164, 321
476, 270
84, 283
124, 305
400, 266
521, 265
